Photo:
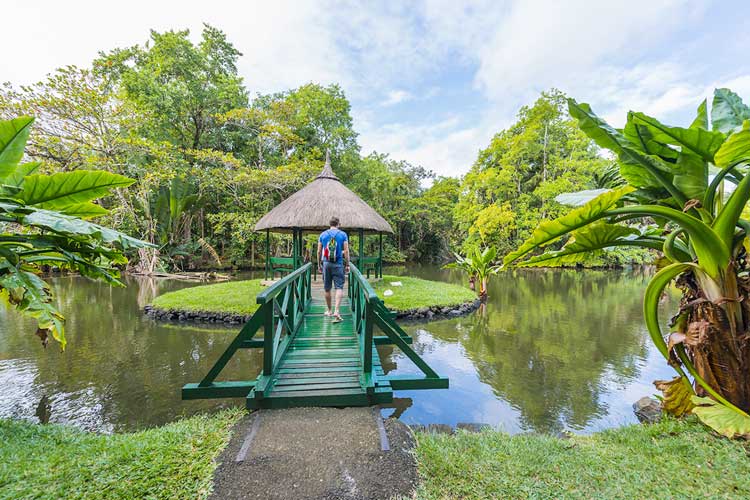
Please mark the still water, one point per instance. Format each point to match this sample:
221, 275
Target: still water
552, 350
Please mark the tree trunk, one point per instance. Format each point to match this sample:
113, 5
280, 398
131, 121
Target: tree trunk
717, 341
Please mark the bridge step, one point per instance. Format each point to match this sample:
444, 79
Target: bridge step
321, 367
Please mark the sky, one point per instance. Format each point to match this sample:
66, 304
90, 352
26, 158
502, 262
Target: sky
430, 82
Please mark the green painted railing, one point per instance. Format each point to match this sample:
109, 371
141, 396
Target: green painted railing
279, 315
369, 311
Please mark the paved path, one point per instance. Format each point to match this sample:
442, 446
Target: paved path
317, 453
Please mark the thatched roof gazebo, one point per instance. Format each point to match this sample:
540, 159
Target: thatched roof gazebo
310, 209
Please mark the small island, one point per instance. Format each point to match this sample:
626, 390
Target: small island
233, 302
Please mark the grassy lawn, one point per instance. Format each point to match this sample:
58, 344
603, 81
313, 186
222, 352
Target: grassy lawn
672, 459
55, 461
232, 297
415, 293
239, 296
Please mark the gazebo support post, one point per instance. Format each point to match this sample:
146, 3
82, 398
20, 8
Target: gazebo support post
379, 271
295, 248
360, 262
268, 252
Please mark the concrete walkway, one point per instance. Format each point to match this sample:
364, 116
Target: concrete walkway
317, 453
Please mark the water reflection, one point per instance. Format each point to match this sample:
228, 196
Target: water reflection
557, 350
552, 350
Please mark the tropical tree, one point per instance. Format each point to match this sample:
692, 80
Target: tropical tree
42, 225
479, 265
677, 187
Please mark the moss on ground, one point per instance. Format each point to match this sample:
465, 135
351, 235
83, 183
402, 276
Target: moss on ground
237, 297
56, 461
415, 293
671, 459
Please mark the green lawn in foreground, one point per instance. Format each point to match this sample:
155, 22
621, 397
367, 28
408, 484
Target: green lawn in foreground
415, 293
672, 459
231, 297
55, 461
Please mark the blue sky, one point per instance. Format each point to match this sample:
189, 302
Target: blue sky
429, 81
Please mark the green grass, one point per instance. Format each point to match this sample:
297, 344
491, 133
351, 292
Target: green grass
239, 296
236, 297
672, 459
55, 461
415, 293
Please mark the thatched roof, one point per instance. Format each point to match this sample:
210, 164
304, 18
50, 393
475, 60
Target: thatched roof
312, 207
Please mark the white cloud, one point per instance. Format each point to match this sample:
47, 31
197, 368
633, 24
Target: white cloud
497, 55
397, 96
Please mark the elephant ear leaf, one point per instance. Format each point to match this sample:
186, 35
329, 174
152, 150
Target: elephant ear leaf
735, 149
701, 119
13, 136
721, 418
691, 176
550, 230
586, 240
62, 190
638, 165
697, 141
728, 111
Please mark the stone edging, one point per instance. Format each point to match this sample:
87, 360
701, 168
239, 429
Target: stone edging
438, 312
197, 316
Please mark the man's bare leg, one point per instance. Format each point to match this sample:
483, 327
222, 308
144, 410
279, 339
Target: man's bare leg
339, 295
328, 302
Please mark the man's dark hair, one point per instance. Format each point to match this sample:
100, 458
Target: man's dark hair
334, 221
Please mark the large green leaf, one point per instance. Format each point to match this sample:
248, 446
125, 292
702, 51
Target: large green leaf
578, 198
643, 138
639, 169
18, 176
698, 141
728, 111
75, 227
588, 239
727, 218
735, 149
721, 418
61, 190
13, 136
86, 210
691, 176
550, 230
31, 295
701, 118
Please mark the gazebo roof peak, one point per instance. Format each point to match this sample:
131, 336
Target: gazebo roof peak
327, 172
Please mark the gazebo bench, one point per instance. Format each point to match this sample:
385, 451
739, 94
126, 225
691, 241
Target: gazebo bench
368, 264
282, 265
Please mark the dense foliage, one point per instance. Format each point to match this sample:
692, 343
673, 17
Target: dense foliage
678, 191
42, 226
208, 160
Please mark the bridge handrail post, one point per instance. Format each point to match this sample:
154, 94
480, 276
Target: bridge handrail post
286, 289
363, 299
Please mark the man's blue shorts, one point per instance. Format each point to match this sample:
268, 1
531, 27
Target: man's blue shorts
333, 273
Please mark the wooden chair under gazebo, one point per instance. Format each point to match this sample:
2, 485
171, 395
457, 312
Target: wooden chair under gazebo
309, 210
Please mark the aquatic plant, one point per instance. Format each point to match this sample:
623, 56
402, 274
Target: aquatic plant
677, 189
479, 265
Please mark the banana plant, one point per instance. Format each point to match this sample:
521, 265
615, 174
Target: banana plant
43, 224
677, 177
479, 265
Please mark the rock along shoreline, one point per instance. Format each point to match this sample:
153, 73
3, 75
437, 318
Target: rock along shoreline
418, 314
432, 313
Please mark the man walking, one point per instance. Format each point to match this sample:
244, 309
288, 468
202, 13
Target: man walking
333, 257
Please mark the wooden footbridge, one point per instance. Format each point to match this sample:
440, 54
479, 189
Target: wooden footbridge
310, 361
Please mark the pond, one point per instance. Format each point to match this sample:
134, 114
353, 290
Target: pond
552, 350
